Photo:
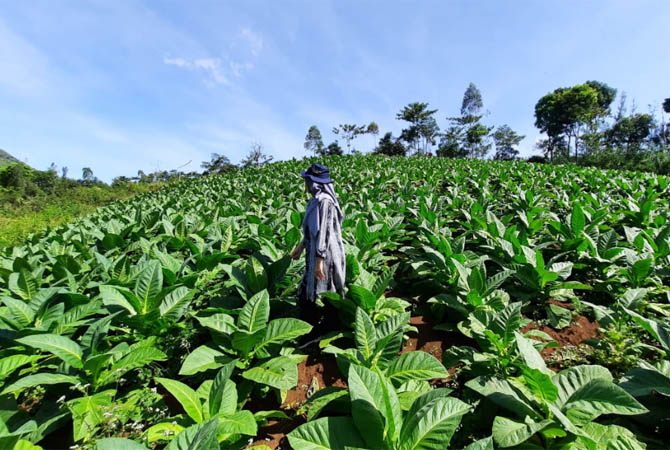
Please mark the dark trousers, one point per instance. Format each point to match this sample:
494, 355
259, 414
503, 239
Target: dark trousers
322, 319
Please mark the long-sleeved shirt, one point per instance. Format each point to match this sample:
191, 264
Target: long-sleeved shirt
326, 243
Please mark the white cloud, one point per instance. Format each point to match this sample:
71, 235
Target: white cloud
255, 40
211, 66
24, 68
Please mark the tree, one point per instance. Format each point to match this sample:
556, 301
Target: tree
313, 141
467, 136
256, 157
217, 164
630, 132
569, 112
423, 129
666, 105
506, 142
372, 130
390, 147
86, 174
349, 132
553, 147
64, 170
334, 149
472, 101
450, 143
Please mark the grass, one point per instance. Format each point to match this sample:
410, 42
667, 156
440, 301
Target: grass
20, 217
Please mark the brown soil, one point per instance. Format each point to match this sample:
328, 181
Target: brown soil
580, 329
274, 433
319, 366
430, 340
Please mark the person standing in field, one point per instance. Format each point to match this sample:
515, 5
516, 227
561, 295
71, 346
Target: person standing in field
325, 262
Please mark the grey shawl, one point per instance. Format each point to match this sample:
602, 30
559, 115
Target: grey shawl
322, 229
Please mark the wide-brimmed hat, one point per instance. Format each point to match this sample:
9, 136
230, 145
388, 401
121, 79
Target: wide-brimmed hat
317, 173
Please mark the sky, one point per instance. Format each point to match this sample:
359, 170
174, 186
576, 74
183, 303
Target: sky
124, 85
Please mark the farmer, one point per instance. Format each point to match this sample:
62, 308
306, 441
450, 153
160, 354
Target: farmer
324, 260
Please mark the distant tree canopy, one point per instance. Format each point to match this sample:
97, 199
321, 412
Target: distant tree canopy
666, 105
568, 113
506, 143
217, 164
334, 149
314, 142
466, 136
422, 131
256, 157
390, 147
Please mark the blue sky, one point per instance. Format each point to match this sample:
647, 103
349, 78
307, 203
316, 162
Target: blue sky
128, 84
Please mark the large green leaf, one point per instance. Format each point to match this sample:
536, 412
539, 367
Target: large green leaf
612, 437
175, 303
10, 363
577, 219
148, 286
20, 312
433, 425
328, 433
219, 387
219, 322
280, 372
281, 330
482, 444
241, 422
599, 396
374, 405
415, 365
571, 380
255, 313
530, 355
201, 359
362, 297
366, 335
256, 277
659, 331
508, 432
201, 436
118, 444
60, 346
186, 396
38, 380
137, 357
87, 413
504, 394
646, 380
539, 384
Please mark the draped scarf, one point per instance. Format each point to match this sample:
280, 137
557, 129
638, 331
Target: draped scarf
319, 192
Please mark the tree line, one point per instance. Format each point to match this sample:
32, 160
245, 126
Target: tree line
579, 125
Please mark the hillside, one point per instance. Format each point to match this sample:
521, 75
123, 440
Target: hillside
6, 159
485, 302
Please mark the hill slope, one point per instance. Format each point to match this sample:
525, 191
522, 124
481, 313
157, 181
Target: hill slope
6, 159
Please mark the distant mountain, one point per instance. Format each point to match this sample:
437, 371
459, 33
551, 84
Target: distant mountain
6, 159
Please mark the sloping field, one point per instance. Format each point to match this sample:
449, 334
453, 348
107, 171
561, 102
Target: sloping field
489, 305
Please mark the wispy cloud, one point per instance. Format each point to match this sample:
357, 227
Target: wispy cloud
255, 40
212, 67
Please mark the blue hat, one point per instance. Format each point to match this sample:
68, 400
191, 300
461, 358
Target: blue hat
317, 173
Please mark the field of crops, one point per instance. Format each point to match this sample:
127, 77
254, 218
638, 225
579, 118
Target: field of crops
489, 305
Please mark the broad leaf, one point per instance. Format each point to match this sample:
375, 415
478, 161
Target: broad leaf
185, 395
415, 365
64, 348
255, 313
280, 372
201, 359
334, 433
